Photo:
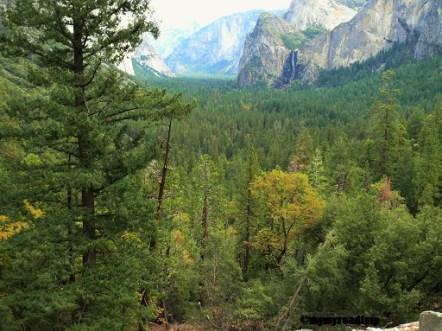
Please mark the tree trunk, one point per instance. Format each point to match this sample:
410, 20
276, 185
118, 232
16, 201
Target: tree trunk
246, 261
87, 192
88, 202
204, 220
164, 172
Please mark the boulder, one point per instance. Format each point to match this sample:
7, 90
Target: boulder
414, 326
430, 321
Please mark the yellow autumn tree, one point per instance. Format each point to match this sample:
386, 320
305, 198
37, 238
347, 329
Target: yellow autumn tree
289, 204
9, 228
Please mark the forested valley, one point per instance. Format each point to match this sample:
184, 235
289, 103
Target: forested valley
127, 203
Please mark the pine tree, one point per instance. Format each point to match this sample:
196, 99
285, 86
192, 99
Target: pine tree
316, 172
247, 208
85, 130
386, 127
430, 161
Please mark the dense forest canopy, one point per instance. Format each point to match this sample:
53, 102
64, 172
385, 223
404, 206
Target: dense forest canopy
130, 202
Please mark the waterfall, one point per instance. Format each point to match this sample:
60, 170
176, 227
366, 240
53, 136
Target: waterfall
293, 63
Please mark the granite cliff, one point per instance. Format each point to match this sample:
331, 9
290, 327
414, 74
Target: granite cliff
147, 59
304, 14
378, 26
216, 48
268, 48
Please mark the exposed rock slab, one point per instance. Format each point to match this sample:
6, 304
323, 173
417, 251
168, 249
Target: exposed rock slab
216, 48
414, 326
430, 321
148, 59
265, 52
268, 47
379, 25
303, 14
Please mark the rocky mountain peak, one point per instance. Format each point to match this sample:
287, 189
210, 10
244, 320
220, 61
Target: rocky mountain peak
147, 59
303, 14
216, 48
274, 39
378, 26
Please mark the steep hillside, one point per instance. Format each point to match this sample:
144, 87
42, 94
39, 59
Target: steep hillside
265, 50
354, 3
146, 59
270, 45
380, 25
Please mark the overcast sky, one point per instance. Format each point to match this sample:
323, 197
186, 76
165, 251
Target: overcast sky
184, 13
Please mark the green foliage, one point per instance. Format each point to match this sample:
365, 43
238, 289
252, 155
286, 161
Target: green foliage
429, 164
289, 206
313, 31
84, 131
398, 55
332, 135
293, 41
297, 40
387, 134
338, 183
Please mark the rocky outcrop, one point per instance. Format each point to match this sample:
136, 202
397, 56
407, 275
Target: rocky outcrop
414, 326
147, 59
215, 49
430, 321
292, 70
379, 25
267, 49
328, 14
353, 3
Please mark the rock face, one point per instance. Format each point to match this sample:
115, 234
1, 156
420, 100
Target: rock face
430, 321
379, 25
303, 14
148, 59
353, 3
268, 48
215, 49
265, 51
414, 326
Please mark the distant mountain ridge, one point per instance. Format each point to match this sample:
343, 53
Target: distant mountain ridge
216, 48
269, 46
147, 59
171, 37
304, 14
376, 27
355, 4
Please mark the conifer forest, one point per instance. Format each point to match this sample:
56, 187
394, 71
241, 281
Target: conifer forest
136, 202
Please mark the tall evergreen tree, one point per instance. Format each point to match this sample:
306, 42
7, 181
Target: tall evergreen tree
430, 161
85, 130
247, 208
386, 127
